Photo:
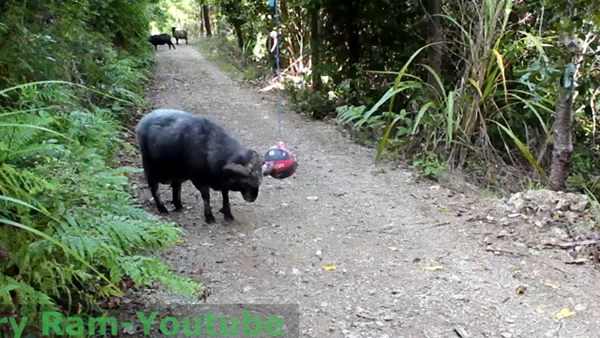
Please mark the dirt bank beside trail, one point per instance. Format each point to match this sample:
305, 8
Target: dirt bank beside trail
378, 227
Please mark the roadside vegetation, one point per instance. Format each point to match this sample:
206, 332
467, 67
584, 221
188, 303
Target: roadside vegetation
504, 91
72, 237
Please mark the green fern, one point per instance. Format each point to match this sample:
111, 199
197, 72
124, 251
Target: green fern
70, 228
56, 179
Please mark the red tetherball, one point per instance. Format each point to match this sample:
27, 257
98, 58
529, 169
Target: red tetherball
283, 161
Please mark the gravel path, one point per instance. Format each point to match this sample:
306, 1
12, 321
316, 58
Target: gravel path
374, 223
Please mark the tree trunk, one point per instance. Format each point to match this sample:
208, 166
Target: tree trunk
562, 155
240, 36
434, 53
286, 35
353, 39
240, 40
200, 23
315, 46
206, 20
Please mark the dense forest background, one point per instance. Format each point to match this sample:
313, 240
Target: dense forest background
479, 86
506, 91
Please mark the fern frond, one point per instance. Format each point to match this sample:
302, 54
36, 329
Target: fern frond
155, 270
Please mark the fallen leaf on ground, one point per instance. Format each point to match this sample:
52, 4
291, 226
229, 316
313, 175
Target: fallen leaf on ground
520, 290
113, 302
480, 268
179, 241
433, 268
445, 209
127, 282
205, 294
577, 261
455, 277
365, 316
540, 310
554, 286
330, 267
393, 248
436, 187
564, 313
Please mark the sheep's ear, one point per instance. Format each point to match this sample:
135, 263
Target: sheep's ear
234, 169
267, 168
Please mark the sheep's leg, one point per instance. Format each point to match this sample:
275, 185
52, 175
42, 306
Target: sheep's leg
153, 183
205, 192
226, 209
186, 40
176, 186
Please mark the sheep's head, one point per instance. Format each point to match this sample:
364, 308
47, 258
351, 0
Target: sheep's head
245, 174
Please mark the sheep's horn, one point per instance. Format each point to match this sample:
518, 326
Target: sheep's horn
267, 168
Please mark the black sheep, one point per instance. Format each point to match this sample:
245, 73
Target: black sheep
177, 146
161, 39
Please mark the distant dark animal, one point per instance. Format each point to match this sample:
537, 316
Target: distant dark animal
182, 34
177, 146
161, 39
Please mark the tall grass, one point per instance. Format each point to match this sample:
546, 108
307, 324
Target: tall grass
456, 125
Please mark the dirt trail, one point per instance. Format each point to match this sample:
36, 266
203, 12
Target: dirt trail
372, 222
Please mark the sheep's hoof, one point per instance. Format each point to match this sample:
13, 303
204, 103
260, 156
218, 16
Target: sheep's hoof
210, 219
163, 210
227, 215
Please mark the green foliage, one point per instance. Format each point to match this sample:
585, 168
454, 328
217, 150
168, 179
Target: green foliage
225, 53
174, 13
70, 228
317, 104
493, 103
430, 165
510, 80
55, 179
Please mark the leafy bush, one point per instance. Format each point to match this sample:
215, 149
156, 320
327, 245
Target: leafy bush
501, 110
68, 217
70, 228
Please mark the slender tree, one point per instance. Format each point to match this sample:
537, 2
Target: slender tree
206, 14
315, 45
